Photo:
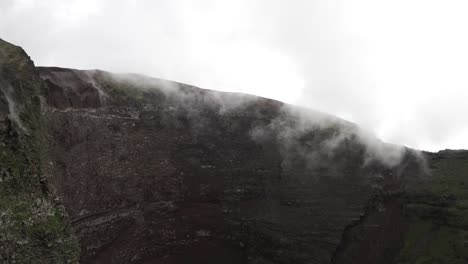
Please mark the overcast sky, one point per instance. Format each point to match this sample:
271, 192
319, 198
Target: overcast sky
398, 68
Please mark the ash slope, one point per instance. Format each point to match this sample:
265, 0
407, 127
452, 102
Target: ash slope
152, 171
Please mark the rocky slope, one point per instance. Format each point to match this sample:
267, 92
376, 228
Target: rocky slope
152, 171
34, 227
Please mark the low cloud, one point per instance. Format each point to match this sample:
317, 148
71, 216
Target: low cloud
403, 79
318, 137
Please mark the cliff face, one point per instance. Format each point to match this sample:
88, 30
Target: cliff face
158, 172
437, 212
33, 225
152, 171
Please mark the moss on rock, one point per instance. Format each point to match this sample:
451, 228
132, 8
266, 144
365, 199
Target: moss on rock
34, 227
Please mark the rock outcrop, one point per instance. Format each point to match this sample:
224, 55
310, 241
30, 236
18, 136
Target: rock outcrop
153, 171
34, 227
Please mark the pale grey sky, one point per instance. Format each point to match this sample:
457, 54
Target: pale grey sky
398, 68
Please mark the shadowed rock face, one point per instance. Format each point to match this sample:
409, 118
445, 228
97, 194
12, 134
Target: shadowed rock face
160, 172
152, 171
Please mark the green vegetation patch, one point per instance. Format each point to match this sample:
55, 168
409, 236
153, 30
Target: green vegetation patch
34, 226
